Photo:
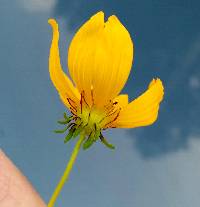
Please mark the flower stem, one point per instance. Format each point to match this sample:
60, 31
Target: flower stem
66, 173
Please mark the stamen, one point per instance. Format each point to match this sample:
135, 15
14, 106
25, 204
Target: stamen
109, 105
72, 107
71, 102
73, 113
112, 120
110, 110
108, 115
112, 113
81, 102
84, 99
76, 117
92, 95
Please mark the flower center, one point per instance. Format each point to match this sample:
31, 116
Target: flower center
93, 118
90, 121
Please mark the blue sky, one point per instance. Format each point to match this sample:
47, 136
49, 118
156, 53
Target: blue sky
153, 166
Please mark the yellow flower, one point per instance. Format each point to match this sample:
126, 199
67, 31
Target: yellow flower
99, 61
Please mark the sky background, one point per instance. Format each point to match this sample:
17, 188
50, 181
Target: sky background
152, 166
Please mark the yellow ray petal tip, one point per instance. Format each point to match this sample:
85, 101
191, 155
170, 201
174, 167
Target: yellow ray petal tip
98, 14
97, 19
53, 23
113, 18
158, 83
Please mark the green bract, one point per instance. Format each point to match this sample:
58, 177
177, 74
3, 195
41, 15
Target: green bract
90, 130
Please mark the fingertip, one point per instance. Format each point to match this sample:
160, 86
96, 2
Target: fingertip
2, 154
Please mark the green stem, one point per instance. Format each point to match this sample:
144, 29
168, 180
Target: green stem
65, 176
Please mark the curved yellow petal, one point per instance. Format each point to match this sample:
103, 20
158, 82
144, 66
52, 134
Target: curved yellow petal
100, 57
142, 111
60, 80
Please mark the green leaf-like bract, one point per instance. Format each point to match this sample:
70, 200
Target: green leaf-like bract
63, 121
77, 127
105, 142
61, 130
77, 131
88, 143
68, 137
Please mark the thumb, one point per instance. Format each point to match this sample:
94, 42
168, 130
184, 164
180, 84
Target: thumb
15, 189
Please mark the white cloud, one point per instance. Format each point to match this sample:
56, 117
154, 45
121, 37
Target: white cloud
174, 178
194, 82
38, 5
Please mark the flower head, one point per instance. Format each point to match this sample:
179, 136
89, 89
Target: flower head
99, 61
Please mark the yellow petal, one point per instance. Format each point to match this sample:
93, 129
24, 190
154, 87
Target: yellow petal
142, 111
60, 80
100, 57
121, 100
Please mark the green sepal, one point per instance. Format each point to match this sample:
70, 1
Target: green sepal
64, 121
65, 129
88, 143
70, 134
77, 131
105, 142
68, 137
97, 134
61, 130
65, 116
